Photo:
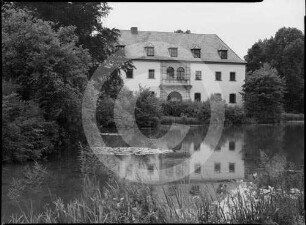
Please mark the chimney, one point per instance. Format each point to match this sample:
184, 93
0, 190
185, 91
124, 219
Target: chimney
134, 30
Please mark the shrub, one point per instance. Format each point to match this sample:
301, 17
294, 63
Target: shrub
212, 106
176, 108
292, 117
26, 135
203, 114
105, 112
48, 65
234, 115
263, 94
148, 109
167, 120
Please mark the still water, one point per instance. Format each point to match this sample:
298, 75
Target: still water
197, 163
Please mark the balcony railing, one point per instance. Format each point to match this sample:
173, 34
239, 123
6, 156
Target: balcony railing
176, 81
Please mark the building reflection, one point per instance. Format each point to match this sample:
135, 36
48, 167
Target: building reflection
194, 166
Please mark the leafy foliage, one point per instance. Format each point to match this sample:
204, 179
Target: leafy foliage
285, 52
180, 31
176, 108
234, 115
148, 109
25, 132
262, 94
86, 17
48, 66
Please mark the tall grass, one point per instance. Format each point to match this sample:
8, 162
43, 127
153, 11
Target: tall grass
123, 202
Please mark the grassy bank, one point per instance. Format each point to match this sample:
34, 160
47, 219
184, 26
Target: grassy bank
138, 203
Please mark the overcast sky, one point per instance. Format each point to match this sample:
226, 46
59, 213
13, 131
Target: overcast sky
239, 25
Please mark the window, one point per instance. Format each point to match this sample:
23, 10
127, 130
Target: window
231, 167
129, 73
179, 170
197, 97
151, 74
150, 169
129, 169
180, 73
232, 76
172, 189
195, 190
198, 75
196, 53
218, 96
150, 51
197, 168
173, 52
223, 54
169, 171
119, 47
232, 145
232, 98
218, 76
218, 148
217, 167
170, 73
197, 147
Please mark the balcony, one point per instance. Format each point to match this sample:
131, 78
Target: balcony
173, 81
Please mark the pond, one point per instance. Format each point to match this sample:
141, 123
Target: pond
196, 163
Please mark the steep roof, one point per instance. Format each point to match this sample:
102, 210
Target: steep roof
208, 43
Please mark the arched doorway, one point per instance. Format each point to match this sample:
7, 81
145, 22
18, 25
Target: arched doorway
174, 96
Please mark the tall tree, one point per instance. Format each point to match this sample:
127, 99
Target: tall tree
87, 18
48, 66
285, 52
263, 95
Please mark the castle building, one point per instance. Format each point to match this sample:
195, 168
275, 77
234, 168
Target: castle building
181, 66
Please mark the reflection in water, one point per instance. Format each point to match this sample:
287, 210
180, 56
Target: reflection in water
195, 165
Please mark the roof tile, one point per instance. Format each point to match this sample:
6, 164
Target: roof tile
208, 43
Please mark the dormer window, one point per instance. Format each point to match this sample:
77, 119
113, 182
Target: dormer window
196, 52
173, 52
150, 51
222, 51
119, 47
223, 54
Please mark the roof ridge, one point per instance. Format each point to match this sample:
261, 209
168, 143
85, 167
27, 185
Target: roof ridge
166, 32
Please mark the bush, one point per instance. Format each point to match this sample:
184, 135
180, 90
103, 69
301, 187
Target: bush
292, 117
203, 114
49, 66
148, 109
105, 112
167, 120
263, 94
176, 108
26, 135
234, 115
188, 112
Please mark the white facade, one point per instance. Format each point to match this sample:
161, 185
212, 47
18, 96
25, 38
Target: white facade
175, 58
206, 86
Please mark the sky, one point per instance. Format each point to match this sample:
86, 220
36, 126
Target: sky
239, 25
